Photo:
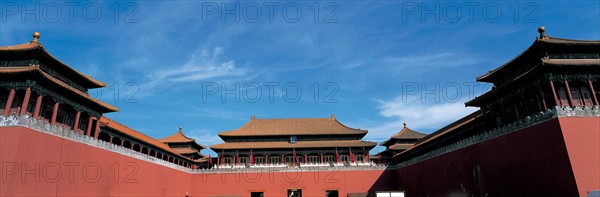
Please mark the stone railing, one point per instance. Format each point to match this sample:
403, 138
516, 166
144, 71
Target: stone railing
56, 130
506, 129
286, 168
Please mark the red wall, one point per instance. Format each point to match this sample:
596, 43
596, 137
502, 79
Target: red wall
38, 164
559, 157
67, 168
277, 183
582, 138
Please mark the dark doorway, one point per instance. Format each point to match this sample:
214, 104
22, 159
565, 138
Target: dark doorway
294, 193
257, 194
331, 193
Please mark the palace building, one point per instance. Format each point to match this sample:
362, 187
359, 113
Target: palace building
399, 142
35, 84
293, 141
185, 146
537, 131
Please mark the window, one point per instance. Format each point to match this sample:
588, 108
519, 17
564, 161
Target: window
389, 194
228, 160
344, 158
293, 139
314, 159
586, 96
244, 160
562, 96
358, 158
331, 193
257, 194
274, 159
294, 193
329, 158
259, 160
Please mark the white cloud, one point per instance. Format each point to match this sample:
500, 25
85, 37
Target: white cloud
442, 59
202, 65
417, 114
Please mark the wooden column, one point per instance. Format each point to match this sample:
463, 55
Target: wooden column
321, 158
282, 159
569, 94
76, 123
54, 113
554, 94
305, 159
593, 92
111, 137
88, 131
26, 100
122, 142
38, 105
543, 99
11, 98
97, 129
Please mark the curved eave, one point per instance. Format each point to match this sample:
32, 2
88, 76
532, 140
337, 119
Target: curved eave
36, 46
35, 69
285, 134
139, 136
489, 77
476, 102
446, 130
571, 62
298, 145
180, 138
193, 143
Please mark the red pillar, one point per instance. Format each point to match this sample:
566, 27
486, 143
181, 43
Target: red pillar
554, 93
88, 131
38, 105
97, 129
122, 142
11, 97
593, 92
282, 159
569, 93
111, 137
26, 100
76, 124
321, 158
543, 99
54, 113
156, 154
305, 159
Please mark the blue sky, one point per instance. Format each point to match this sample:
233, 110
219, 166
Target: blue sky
375, 64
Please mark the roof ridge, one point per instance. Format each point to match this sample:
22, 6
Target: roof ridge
35, 44
549, 38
